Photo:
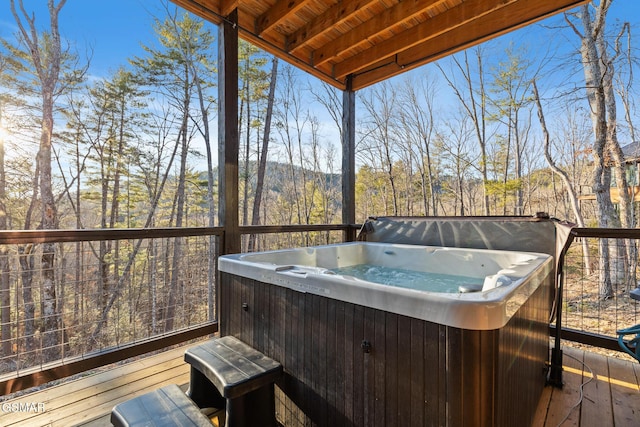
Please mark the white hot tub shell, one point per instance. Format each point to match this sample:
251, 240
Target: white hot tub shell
504, 279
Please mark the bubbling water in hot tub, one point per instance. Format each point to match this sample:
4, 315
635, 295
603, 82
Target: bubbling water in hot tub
411, 279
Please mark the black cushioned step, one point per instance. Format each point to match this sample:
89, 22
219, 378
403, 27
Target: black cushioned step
233, 367
167, 406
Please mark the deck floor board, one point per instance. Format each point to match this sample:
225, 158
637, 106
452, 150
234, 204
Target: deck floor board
81, 401
610, 392
596, 405
624, 387
562, 409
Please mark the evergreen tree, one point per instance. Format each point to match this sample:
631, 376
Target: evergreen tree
185, 45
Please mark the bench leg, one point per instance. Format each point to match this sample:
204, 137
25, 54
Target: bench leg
256, 408
203, 392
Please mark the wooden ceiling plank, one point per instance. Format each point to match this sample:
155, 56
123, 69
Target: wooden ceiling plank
397, 14
277, 13
462, 38
452, 30
335, 15
446, 21
376, 74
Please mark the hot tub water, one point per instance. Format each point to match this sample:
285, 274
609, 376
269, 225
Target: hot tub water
410, 279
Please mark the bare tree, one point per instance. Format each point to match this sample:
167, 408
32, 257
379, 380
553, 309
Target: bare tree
293, 125
475, 105
201, 69
381, 104
9, 67
46, 59
459, 160
5, 284
623, 89
262, 162
417, 108
511, 87
598, 71
253, 94
573, 197
171, 68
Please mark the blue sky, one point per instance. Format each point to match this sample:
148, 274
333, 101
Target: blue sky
113, 29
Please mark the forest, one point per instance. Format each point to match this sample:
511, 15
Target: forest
510, 127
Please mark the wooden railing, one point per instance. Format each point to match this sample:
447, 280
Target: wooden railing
117, 293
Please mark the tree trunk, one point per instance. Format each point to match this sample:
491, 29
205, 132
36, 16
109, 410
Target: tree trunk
262, 165
632, 244
27, 265
594, 73
153, 286
52, 328
476, 111
47, 67
573, 197
5, 284
180, 203
518, 168
247, 152
619, 249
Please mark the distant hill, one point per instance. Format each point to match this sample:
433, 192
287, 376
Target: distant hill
276, 175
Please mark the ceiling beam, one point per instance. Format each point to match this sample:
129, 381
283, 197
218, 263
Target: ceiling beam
226, 6
207, 9
446, 21
527, 11
277, 13
361, 34
375, 74
335, 15
291, 59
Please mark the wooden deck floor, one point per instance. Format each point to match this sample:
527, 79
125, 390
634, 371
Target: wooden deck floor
598, 391
602, 392
88, 401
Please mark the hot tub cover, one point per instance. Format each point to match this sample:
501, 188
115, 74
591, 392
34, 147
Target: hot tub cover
529, 234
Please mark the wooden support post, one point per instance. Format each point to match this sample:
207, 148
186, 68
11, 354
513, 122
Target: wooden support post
228, 144
348, 158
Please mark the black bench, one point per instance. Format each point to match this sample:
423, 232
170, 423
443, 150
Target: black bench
227, 373
167, 406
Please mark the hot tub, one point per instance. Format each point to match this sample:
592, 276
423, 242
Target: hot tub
487, 286
368, 351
